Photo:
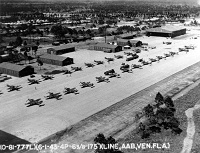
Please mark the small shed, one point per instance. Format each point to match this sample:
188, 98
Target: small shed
16, 70
62, 49
56, 59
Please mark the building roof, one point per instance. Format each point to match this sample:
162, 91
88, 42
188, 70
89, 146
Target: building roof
106, 45
166, 29
126, 40
54, 57
134, 41
61, 47
11, 66
127, 35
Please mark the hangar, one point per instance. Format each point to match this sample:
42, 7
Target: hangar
132, 43
166, 31
16, 70
106, 48
58, 50
56, 60
125, 36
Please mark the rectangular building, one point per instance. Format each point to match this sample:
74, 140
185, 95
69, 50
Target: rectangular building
126, 36
56, 60
16, 70
131, 43
106, 48
166, 31
58, 50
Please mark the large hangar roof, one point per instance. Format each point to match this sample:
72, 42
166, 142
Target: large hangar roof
165, 29
61, 47
11, 66
54, 57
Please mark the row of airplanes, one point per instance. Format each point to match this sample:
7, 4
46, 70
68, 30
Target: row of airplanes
110, 74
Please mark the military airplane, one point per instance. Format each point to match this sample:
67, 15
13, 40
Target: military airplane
140, 60
12, 88
125, 68
76, 68
4, 78
160, 57
89, 65
167, 55
134, 66
33, 81
68, 72
47, 77
70, 90
86, 84
173, 53
167, 43
128, 53
53, 95
109, 59
32, 102
118, 56
183, 50
102, 79
130, 58
111, 74
189, 47
137, 50
98, 62
153, 59
146, 62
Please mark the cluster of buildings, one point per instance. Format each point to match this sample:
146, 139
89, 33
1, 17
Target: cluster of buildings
53, 54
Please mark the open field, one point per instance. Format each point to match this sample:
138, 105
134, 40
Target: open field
36, 123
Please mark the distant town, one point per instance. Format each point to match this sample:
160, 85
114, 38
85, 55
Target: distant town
100, 76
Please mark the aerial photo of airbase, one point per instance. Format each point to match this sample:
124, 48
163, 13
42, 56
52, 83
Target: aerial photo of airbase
99, 76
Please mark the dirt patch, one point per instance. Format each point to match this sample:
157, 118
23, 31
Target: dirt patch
196, 143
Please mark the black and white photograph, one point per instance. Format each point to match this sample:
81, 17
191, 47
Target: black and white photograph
99, 76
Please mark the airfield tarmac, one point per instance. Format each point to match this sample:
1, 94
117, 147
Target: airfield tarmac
36, 123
